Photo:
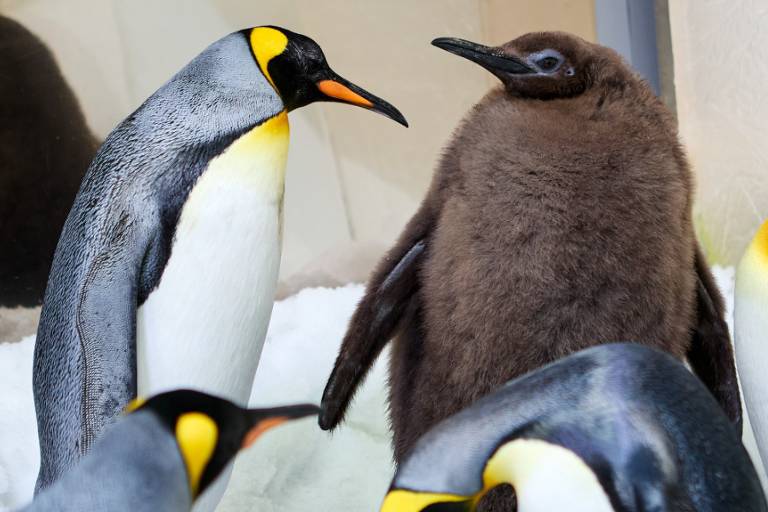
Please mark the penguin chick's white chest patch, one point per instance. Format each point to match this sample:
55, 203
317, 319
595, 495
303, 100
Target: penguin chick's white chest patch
203, 327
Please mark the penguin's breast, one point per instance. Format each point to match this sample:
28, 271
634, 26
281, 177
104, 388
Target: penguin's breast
750, 325
204, 325
546, 477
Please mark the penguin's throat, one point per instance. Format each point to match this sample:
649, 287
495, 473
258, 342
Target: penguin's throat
760, 245
545, 477
257, 158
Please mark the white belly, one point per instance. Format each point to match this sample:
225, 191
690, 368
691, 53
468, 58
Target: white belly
203, 327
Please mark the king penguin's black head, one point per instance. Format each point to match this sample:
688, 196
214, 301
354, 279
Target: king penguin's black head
210, 430
296, 67
544, 65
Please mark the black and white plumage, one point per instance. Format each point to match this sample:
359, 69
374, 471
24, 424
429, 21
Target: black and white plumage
165, 271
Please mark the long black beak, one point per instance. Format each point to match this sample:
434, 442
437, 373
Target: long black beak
492, 59
335, 88
289, 412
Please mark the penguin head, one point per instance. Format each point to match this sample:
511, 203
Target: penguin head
543, 65
528, 465
210, 431
296, 67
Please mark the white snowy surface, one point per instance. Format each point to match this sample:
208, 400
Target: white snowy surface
299, 467
291, 469
19, 457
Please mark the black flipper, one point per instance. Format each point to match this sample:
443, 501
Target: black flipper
377, 317
711, 352
106, 324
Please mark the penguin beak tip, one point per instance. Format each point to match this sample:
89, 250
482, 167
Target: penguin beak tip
449, 44
401, 120
440, 41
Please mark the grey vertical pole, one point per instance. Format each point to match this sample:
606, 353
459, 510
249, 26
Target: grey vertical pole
665, 55
630, 28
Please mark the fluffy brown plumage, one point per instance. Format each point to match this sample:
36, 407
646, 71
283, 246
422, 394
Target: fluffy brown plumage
559, 218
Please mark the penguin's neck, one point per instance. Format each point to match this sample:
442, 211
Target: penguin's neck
546, 477
256, 160
204, 325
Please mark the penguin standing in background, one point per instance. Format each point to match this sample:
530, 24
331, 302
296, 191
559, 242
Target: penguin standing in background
613, 428
166, 268
45, 147
559, 218
750, 333
162, 455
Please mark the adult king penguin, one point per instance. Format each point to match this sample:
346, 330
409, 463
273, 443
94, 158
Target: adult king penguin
614, 428
750, 326
162, 455
166, 267
559, 217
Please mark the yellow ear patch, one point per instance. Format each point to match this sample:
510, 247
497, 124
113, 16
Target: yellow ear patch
401, 500
197, 435
266, 44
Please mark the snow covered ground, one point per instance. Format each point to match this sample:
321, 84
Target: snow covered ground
292, 469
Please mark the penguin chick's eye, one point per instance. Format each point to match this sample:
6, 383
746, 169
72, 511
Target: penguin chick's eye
548, 64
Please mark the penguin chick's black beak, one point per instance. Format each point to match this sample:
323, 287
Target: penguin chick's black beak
335, 88
492, 59
266, 419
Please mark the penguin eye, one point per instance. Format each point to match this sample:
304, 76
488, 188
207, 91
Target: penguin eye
548, 63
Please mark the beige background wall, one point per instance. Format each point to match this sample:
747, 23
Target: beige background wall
354, 178
721, 75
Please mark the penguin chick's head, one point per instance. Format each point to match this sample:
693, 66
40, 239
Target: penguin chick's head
543, 65
210, 430
296, 67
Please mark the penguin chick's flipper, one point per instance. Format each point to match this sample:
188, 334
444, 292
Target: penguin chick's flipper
711, 352
106, 324
389, 292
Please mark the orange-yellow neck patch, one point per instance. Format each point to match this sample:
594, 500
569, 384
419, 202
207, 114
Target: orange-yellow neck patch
402, 500
760, 243
266, 44
134, 404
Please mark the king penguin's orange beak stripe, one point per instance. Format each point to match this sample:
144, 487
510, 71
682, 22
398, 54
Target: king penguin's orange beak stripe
260, 428
342, 92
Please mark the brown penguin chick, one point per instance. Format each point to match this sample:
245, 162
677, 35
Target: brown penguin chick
559, 218
45, 148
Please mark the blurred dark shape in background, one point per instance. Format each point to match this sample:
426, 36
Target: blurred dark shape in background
45, 148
